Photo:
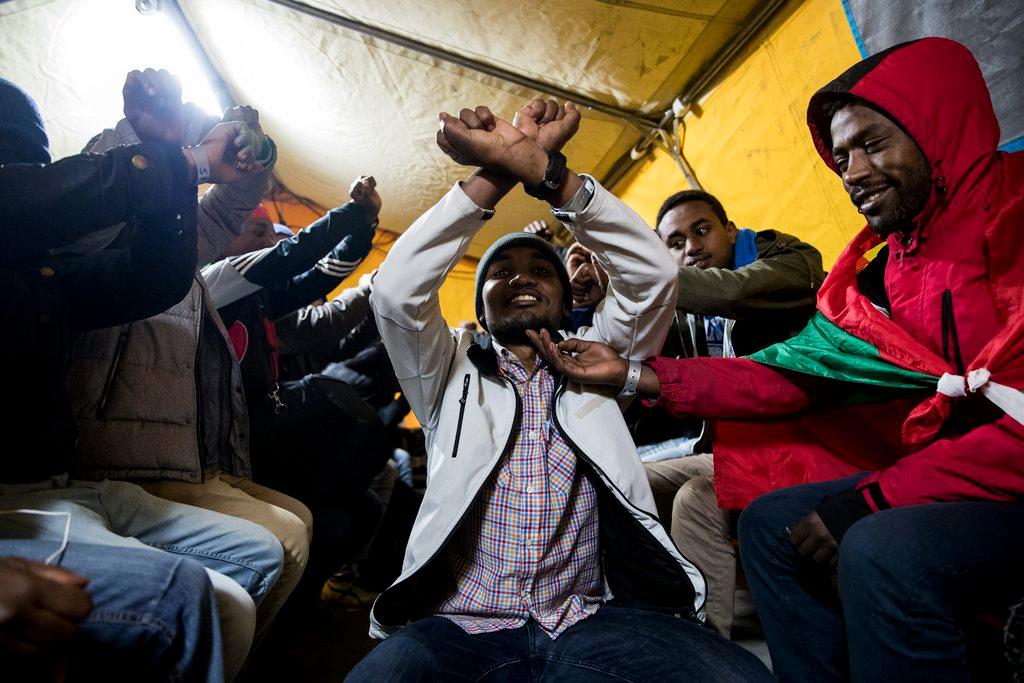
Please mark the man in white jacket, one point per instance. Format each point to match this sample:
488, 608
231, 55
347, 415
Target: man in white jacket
536, 550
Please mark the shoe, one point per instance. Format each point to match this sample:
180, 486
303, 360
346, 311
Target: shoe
343, 590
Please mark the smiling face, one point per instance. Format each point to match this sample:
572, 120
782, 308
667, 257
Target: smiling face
522, 291
696, 236
884, 171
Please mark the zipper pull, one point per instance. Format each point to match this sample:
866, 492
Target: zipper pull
108, 384
465, 390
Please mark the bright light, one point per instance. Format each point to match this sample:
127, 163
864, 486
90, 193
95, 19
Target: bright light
169, 47
72, 57
265, 65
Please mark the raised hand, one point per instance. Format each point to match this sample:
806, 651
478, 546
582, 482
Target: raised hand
587, 286
40, 605
363, 192
540, 229
227, 151
152, 105
244, 113
550, 125
256, 140
593, 362
478, 138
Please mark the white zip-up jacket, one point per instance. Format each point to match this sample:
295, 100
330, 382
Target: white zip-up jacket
469, 413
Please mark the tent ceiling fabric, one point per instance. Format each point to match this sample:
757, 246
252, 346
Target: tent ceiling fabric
340, 103
637, 55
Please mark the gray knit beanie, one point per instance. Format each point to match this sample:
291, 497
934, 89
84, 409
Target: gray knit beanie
520, 239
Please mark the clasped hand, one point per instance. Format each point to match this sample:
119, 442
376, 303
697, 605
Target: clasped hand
476, 137
363, 193
153, 107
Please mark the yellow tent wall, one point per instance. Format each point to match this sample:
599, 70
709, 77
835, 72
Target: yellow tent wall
457, 292
748, 141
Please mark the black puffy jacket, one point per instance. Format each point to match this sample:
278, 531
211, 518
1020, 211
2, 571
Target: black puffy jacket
49, 298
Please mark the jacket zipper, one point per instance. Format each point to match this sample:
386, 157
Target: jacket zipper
679, 332
509, 442
462, 413
201, 312
609, 483
108, 384
949, 333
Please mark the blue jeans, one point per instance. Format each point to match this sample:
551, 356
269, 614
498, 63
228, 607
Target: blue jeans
909, 580
117, 513
616, 643
154, 617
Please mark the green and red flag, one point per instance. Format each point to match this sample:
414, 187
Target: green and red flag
897, 393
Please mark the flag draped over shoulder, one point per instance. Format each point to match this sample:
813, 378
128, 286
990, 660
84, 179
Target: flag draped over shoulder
824, 349
898, 393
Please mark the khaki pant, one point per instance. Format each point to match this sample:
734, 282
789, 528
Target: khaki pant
684, 493
282, 515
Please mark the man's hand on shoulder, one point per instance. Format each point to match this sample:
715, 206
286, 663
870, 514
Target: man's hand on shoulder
152, 105
586, 362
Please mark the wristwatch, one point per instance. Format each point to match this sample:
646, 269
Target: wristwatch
553, 176
579, 201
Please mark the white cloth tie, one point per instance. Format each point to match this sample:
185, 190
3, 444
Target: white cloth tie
1008, 399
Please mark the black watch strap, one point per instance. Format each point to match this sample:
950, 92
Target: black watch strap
553, 176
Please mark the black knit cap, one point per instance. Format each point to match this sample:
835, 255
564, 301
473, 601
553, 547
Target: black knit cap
22, 136
520, 239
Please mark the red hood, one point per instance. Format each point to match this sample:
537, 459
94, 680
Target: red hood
935, 90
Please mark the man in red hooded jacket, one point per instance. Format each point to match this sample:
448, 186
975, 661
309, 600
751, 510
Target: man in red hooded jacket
935, 533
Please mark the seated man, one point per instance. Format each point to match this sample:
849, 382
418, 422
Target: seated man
159, 400
536, 549
739, 291
123, 614
102, 530
312, 438
935, 534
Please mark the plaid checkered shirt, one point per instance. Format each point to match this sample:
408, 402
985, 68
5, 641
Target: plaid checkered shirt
529, 549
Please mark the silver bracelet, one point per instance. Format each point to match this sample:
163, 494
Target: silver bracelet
632, 379
202, 163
